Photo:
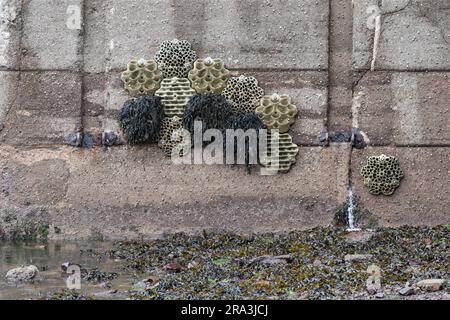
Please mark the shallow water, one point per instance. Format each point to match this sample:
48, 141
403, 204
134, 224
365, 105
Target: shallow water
48, 258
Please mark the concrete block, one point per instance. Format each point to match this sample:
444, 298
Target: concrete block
52, 34
403, 108
95, 48
8, 89
39, 183
10, 26
94, 101
246, 34
340, 65
104, 97
48, 105
421, 199
127, 192
414, 34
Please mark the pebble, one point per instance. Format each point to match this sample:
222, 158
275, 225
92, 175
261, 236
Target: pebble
371, 290
173, 267
406, 291
357, 257
431, 285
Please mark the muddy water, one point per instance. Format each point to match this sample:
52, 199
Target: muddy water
48, 258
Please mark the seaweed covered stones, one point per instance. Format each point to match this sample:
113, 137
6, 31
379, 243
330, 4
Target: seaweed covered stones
243, 93
171, 137
175, 58
141, 118
142, 77
209, 75
382, 174
277, 112
175, 94
211, 109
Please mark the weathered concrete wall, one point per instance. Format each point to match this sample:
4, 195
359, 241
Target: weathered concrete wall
56, 78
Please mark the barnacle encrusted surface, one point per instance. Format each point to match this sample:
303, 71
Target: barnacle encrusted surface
141, 118
382, 174
167, 141
277, 112
209, 75
175, 58
282, 156
175, 94
142, 77
211, 109
243, 93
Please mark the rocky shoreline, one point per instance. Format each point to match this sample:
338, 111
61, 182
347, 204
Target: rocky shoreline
323, 263
315, 264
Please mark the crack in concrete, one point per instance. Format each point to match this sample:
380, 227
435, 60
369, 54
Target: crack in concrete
356, 83
83, 80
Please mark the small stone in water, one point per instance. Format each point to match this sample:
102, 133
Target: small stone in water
22, 274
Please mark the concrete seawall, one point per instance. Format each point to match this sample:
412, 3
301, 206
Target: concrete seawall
61, 75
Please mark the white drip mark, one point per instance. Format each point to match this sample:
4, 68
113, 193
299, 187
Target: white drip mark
351, 212
356, 106
376, 40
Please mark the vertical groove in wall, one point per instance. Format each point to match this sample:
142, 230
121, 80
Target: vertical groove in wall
19, 71
328, 113
82, 73
340, 65
340, 75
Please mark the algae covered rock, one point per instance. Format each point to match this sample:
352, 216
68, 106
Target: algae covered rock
142, 77
175, 58
141, 118
172, 138
281, 152
277, 112
22, 274
209, 75
175, 94
382, 174
243, 93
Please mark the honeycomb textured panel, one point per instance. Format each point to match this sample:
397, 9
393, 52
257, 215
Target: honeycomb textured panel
167, 142
287, 152
142, 77
382, 174
175, 58
243, 93
277, 112
140, 119
175, 94
209, 75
